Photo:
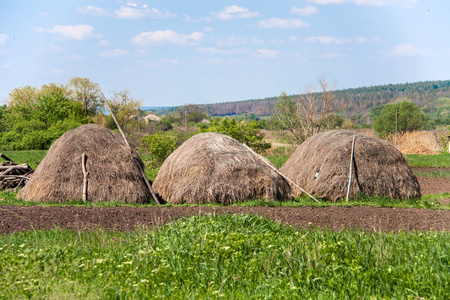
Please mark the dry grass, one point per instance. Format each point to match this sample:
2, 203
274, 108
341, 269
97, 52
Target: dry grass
214, 168
113, 169
417, 142
321, 166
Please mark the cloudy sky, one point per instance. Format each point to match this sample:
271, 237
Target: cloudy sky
202, 51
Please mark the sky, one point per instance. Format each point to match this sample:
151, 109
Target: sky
170, 53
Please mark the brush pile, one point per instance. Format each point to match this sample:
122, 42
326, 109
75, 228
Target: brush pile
12, 175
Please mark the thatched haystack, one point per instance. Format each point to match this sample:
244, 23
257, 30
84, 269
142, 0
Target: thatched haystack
113, 169
214, 168
379, 168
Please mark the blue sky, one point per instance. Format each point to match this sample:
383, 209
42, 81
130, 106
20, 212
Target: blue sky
202, 51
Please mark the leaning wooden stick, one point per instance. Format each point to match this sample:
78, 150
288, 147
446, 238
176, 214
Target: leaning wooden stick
351, 167
281, 174
85, 177
126, 142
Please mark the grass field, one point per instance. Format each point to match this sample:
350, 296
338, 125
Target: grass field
225, 257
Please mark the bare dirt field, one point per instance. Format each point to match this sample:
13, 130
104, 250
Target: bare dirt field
22, 218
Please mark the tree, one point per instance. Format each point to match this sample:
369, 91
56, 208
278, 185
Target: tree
410, 117
124, 107
159, 145
309, 114
23, 95
245, 132
86, 92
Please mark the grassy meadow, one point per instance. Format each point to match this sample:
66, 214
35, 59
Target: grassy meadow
228, 256
225, 257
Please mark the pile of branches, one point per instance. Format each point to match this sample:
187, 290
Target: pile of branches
12, 175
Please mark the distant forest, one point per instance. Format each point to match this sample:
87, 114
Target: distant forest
355, 104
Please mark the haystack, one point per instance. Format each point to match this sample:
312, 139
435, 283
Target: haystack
321, 166
214, 168
113, 169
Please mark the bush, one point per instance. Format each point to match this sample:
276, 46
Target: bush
159, 146
244, 132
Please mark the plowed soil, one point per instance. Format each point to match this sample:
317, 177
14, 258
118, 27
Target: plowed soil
22, 218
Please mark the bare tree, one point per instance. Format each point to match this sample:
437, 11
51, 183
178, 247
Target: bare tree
308, 114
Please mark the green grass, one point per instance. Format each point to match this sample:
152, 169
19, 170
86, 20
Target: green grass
425, 202
278, 161
434, 174
418, 160
32, 157
225, 257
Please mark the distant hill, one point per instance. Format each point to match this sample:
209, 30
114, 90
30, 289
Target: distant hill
354, 104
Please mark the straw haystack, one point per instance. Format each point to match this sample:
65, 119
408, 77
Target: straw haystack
214, 168
113, 169
321, 166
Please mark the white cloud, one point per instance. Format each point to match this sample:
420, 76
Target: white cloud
307, 11
197, 19
135, 13
364, 40
282, 23
56, 48
94, 11
328, 40
113, 53
213, 50
332, 55
103, 43
266, 53
406, 3
407, 49
37, 29
235, 12
157, 63
3, 38
58, 71
5, 65
220, 62
75, 32
126, 12
231, 41
167, 36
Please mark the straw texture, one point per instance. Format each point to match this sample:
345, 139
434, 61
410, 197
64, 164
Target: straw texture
112, 166
214, 168
379, 168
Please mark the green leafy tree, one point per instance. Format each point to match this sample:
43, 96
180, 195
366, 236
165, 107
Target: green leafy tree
159, 145
410, 117
244, 132
24, 95
125, 109
36, 125
87, 93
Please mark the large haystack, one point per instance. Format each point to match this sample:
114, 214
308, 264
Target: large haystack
214, 168
113, 169
379, 168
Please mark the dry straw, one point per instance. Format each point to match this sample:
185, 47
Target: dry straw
214, 168
321, 166
113, 169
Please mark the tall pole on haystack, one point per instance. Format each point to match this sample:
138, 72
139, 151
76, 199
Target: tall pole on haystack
126, 142
351, 168
281, 174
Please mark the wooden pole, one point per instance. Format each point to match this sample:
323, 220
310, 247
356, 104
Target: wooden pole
85, 177
351, 167
149, 186
282, 175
